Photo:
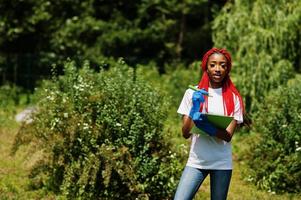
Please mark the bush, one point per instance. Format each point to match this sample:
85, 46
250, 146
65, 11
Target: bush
101, 134
275, 161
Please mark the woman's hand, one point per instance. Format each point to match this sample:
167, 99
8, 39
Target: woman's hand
228, 133
197, 99
202, 123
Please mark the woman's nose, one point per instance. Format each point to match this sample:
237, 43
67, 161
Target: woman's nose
217, 68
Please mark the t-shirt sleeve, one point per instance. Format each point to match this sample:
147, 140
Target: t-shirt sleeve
238, 116
186, 103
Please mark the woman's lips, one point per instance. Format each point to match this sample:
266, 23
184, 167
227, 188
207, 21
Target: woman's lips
217, 76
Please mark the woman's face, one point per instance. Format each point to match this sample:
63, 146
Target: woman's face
217, 69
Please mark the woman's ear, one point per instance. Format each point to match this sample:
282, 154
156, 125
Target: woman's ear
228, 70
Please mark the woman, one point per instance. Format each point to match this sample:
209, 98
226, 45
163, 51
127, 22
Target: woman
210, 153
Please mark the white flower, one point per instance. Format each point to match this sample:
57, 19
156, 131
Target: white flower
86, 126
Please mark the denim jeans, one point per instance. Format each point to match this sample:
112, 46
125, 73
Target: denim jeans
192, 178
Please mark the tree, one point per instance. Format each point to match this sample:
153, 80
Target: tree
264, 38
37, 33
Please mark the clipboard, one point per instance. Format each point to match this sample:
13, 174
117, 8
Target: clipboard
219, 121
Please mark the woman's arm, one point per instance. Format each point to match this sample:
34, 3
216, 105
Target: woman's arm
228, 133
187, 125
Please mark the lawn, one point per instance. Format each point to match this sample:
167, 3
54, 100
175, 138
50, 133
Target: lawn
14, 169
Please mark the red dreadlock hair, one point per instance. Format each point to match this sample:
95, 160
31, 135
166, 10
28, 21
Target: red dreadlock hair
228, 87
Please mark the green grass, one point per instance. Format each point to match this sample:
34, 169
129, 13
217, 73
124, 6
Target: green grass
14, 169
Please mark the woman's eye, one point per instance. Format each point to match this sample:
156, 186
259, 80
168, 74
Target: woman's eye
212, 65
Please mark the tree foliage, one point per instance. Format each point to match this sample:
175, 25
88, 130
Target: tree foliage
37, 33
101, 135
264, 38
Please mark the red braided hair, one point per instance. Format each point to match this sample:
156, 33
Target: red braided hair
228, 87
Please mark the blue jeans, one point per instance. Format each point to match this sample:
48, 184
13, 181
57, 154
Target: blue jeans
192, 178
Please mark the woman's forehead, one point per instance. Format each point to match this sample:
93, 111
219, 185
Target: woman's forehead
217, 57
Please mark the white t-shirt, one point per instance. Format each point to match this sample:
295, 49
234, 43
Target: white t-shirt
207, 152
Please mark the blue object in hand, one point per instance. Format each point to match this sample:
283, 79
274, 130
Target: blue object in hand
203, 124
197, 99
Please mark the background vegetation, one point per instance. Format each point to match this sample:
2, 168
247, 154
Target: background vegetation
91, 139
38, 33
89, 129
264, 37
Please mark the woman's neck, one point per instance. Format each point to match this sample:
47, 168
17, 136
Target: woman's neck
215, 85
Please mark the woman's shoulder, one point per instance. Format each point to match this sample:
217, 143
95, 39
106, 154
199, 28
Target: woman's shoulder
190, 91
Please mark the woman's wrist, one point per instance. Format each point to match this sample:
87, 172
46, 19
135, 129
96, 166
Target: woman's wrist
186, 135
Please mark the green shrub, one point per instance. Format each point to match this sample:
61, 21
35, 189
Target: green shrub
275, 160
9, 96
101, 134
